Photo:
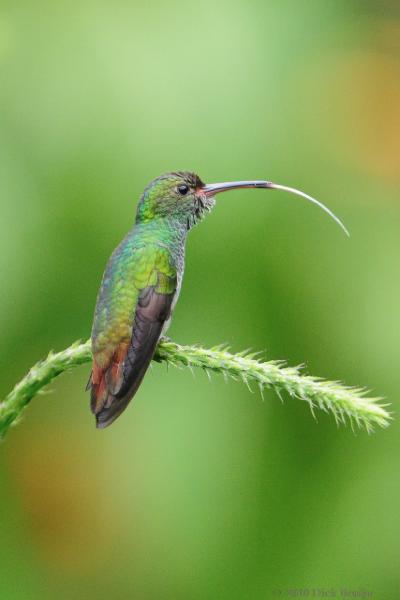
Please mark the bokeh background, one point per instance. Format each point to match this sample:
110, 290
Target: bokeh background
202, 490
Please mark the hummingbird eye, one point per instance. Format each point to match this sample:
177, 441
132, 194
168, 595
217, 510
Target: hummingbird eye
183, 189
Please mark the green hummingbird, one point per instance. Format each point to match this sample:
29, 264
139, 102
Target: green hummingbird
142, 281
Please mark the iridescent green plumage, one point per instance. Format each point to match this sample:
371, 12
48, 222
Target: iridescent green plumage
136, 264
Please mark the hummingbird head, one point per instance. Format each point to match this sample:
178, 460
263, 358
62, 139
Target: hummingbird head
177, 194
183, 194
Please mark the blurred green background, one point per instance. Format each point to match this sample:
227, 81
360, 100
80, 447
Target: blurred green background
202, 490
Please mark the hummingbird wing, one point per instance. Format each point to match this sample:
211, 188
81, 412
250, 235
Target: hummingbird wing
134, 302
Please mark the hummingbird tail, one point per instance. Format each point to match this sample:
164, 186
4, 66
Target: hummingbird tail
109, 396
107, 406
111, 407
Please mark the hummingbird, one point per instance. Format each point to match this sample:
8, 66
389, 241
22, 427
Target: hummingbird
142, 281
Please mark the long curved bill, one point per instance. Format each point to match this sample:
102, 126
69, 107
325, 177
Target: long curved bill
216, 188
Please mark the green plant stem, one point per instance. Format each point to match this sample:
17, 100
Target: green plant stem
345, 403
